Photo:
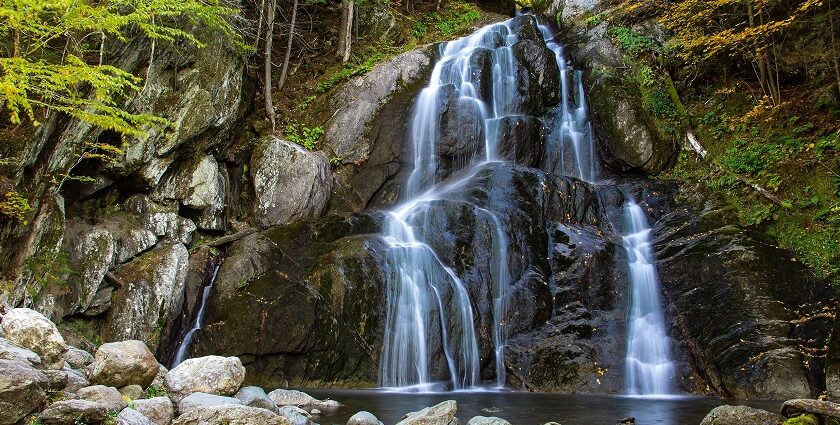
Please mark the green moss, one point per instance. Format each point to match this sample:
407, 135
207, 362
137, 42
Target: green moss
803, 420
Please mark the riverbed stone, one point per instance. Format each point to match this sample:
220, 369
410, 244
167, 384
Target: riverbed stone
740, 415
295, 415
201, 400
69, 412
235, 414
210, 374
118, 364
255, 397
22, 390
439, 414
109, 397
297, 398
31, 330
363, 418
487, 420
159, 410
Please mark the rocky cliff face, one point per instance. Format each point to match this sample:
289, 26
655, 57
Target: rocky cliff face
299, 295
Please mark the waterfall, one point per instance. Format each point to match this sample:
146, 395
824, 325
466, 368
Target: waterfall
649, 367
184, 346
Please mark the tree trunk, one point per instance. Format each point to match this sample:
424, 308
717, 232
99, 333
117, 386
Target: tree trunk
345, 31
269, 35
285, 70
834, 49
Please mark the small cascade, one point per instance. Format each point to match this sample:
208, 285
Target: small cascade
184, 346
419, 281
649, 365
570, 145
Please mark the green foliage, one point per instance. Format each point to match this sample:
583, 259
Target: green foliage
630, 41
659, 102
349, 71
594, 20
304, 103
457, 20
156, 391
36, 76
803, 420
751, 158
336, 160
307, 137
15, 206
48, 269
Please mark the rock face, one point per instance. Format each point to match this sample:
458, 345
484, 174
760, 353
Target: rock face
231, 415
22, 390
756, 346
298, 189
154, 284
118, 364
197, 184
740, 415
30, 329
211, 374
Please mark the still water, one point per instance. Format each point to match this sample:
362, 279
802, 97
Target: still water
521, 408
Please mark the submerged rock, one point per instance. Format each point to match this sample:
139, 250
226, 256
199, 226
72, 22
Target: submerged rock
363, 418
740, 415
31, 330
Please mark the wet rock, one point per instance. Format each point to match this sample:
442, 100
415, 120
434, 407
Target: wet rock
202, 400
130, 416
440, 414
22, 390
461, 125
740, 415
159, 410
297, 398
78, 359
295, 415
485, 420
299, 189
31, 330
539, 84
153, 291
133, 391
197, 184
211, 374
520, 139
231, 415
109, 397
70, 412
822, 408
11, 351
255, 397
118, 364
363, 418
525, 27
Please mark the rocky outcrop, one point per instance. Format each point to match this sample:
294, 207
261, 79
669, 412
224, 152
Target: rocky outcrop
123, 363
33, 331
199, 185
296, 190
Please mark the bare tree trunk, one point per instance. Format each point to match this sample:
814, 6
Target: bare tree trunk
285, 70
269, 35
834, 49
345, 32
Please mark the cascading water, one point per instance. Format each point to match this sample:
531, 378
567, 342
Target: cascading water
184, 347
649, 367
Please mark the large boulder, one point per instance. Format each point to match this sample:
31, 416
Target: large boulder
159, 410
22, 390
231, 415
78, 359
118, 364
109, 397
363, 418
740, 415
439, 414
296, 398
298, 189
203, 400
211, 374
151, 295
30, 329
11, 351
70, 412
255, 397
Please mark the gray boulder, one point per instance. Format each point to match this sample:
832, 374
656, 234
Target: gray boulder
159, 410
109, 397
211, 374
151, 295
740, 415
235, 414
295, 415
439, 414
363, 418
71, 412
297, 398
31, 330
57, 379
78, 359
255, 397
75, 380
298, 189
169, 225
202, 400
22, 390
130, 416
11, 351
487, 420
200, 185
118, 364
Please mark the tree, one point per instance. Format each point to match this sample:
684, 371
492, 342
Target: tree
284, 71
345, 30
271, 6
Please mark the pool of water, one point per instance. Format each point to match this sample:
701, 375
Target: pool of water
521, 408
